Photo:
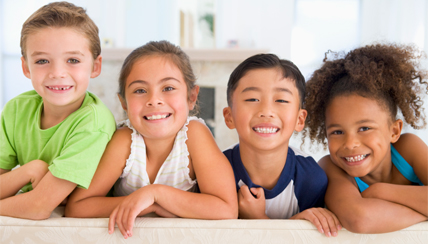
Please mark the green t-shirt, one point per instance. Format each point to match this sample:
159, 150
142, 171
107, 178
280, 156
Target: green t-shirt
72, 148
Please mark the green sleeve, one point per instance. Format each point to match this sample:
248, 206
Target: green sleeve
80, 157
8, 158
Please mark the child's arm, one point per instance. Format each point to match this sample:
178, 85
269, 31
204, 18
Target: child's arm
251, 207
415, 151
40, 202
12, 181
217, 200
92, 202
363, 215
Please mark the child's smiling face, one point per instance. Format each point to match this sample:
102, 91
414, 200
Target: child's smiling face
265, 109
157, 102
60, 65
359, 133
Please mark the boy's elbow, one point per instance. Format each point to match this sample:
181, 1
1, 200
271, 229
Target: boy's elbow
40, 212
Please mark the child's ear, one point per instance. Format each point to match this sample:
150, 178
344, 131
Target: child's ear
122, 102
25, 69
396, 128
228, 119
193, 97
96, 69
301, 120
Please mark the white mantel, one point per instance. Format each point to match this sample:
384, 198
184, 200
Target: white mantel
225, 55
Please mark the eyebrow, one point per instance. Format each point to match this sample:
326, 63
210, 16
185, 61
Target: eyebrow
145, 82
36, 53
358, 122
277, 89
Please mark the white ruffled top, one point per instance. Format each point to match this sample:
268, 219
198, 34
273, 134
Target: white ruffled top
173, 172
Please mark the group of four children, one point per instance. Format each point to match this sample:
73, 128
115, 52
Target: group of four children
163, 160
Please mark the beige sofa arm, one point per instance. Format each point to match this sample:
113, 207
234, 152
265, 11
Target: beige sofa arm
59, 229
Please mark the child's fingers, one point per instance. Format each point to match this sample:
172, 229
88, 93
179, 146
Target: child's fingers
315, 221
119, 222
131, 220
245, 192
259, 192
327, 221
333, 221
111, 221
124, 221
336, 220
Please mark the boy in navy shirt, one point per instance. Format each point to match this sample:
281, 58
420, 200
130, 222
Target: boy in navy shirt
265, 97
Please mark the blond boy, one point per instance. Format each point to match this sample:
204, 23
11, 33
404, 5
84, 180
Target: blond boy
57, 132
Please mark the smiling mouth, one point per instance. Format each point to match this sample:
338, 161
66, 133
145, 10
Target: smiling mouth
356, 158
156, 117
266, 130
59, 88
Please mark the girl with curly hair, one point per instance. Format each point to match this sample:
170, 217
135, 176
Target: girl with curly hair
377, 176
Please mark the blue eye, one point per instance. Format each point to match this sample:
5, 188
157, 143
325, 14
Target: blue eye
42, 61
252, 100
73, 61
140, 91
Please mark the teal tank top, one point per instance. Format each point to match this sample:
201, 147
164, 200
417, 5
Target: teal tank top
401, 164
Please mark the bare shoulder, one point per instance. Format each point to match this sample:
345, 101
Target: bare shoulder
325, 162
333, 171
123, 133
119, 145
198, 130
411, 148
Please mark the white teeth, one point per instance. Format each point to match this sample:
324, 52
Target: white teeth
356, 158
59, 88
266, 130
154, 117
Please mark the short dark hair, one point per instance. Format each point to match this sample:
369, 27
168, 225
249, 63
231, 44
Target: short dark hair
266, 61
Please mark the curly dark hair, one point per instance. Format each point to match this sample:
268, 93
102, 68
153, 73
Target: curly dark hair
387, 73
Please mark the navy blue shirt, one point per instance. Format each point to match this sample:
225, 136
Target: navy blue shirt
301, 185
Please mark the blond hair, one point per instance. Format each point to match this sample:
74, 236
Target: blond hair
62, 14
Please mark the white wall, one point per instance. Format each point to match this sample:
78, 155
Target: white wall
256, 24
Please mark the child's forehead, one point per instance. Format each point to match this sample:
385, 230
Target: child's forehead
56, 35
155, 68
266, 79
362, 108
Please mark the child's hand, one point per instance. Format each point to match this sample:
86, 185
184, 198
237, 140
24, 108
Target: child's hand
251, 207
126, 212
325, 221
157, 209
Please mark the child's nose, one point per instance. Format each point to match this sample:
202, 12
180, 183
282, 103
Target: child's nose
351, 142
57, 71
266, 111
154, 100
